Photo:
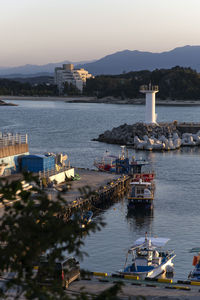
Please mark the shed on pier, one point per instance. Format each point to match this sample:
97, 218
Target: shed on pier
36, 163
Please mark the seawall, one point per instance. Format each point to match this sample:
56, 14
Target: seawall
161, 136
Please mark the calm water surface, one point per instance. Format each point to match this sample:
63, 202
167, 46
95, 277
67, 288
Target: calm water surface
65, 127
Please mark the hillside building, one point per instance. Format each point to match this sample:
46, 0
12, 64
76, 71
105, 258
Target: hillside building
68, 74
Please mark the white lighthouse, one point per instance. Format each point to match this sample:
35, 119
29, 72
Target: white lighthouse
150, 91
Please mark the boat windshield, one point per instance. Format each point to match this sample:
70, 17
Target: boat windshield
144, 252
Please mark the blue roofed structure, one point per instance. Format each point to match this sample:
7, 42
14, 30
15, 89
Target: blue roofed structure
37, 163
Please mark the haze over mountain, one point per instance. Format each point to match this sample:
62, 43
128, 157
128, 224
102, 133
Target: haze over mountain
126, 61
33, 70
119, 62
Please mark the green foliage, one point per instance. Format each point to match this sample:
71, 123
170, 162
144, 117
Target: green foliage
29, 227
70, 89
175, 83
15, 88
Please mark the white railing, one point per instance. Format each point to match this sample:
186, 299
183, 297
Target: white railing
52, 172
9, 139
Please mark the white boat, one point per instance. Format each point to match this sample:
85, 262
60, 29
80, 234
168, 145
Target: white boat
149, 260
141, 195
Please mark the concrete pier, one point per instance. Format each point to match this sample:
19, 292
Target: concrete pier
132, 289
107, 188
95, 179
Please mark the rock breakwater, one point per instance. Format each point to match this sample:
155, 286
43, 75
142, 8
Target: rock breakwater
162, 136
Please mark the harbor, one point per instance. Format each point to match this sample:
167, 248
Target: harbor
100, 150
104, 188
172, 200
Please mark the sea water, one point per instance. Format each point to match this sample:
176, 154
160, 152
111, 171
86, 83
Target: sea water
55, 126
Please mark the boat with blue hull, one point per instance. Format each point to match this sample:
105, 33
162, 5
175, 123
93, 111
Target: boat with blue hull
86, 218
148, 258
195, 274
124, 165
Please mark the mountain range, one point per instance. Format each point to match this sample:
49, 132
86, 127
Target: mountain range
119, 62
126, 61
33, 70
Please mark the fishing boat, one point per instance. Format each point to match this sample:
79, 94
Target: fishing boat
107, 163
195, 274
147, 176
141, 195
83, 218
86, 218
123, 165
148, 258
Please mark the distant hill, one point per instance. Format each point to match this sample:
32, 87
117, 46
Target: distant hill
176, 83
126, 61
33, 70
34, 80
118, 63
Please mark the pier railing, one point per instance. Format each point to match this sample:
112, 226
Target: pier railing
149, 88
52, 172
9, 139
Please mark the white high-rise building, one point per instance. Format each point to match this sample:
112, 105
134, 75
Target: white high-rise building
150, 91
68, 74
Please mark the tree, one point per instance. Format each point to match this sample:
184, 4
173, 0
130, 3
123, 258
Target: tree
31, 226
175, 83
70, 89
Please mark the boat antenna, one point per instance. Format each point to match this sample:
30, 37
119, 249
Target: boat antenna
122, 152
146, 236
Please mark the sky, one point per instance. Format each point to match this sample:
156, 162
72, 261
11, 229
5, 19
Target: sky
45, 31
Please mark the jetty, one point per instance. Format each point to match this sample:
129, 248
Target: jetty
150, 135
136, 289
103, 188
156, 136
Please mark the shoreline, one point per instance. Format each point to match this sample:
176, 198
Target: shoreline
105, 100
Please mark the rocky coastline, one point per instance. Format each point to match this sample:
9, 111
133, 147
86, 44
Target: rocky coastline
159, 137
3, 103
105, 100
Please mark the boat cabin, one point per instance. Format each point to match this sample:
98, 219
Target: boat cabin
141, 189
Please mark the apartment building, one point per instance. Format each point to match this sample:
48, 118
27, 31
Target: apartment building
68, 74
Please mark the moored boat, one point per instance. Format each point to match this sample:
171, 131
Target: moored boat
123, 165
86, 218
141, 195
195, 274
83, 218
107, 163
148, 258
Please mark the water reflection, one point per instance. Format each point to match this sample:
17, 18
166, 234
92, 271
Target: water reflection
190, 150
140, 219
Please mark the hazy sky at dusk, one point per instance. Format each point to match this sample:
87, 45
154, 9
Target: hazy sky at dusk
43, 31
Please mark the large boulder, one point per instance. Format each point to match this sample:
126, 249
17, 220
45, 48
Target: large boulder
158, 145
187, 140
177, 143
139, 144
171, 144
